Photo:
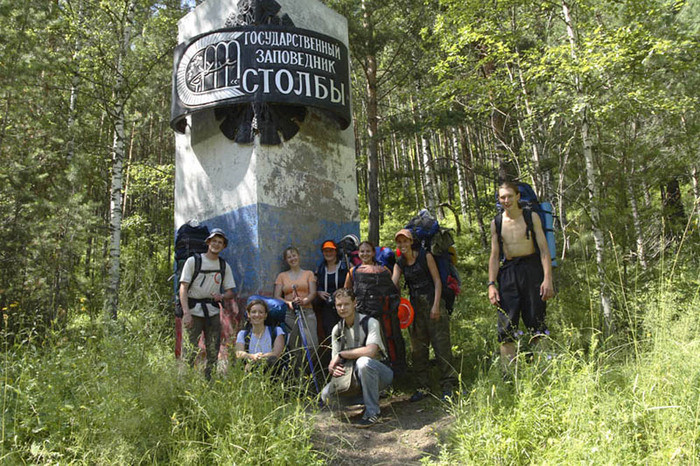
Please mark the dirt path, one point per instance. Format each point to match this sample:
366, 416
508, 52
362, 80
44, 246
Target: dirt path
407, 432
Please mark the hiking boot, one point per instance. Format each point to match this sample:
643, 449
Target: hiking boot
367, 422
418, 395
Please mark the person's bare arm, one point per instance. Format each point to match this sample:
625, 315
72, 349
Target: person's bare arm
396, 276
312, 292
241, 352
437, 282
278, 291
348, 280
184, 303
277, 347
369, 350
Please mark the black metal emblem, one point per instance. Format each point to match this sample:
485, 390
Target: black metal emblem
260, 73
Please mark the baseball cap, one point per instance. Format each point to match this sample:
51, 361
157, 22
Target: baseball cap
403, 232
329, 245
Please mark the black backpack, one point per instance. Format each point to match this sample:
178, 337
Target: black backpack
191, 240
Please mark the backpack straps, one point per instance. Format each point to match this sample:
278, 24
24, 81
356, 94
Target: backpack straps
527, 214
222, 269
529, 230
246, 337
198, 268
271, 330
364, 323
423, 261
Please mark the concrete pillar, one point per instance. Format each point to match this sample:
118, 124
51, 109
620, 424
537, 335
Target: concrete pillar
267, 197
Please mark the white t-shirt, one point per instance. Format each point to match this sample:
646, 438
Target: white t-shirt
206, 284
374, 335
259, 345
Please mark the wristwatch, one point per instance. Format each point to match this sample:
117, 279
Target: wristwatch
490, 283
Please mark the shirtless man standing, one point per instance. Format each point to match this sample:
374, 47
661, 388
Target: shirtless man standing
525, 277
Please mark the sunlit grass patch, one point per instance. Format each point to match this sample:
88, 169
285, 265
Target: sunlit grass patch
602, 406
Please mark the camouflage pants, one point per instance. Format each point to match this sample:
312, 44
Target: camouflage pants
425, 332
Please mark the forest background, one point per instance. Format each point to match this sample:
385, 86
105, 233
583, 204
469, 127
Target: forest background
594, 103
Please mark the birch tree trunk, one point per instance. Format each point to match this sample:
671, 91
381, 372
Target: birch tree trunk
74, 87
115, 223
461, 184
419, 158
563, 223
413, 170
426, 156
636, 221
591, 182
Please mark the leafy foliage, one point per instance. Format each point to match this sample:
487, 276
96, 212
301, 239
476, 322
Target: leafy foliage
465, 88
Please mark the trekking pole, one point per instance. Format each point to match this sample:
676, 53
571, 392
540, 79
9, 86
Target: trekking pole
299, 313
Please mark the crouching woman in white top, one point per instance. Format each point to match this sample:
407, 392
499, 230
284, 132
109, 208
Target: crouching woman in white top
259, 344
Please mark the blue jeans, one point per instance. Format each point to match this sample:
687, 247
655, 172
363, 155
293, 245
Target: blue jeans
373, 376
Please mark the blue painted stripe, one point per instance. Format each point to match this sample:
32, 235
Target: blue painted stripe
258, 235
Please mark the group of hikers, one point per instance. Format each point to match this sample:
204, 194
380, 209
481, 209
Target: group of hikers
346, 316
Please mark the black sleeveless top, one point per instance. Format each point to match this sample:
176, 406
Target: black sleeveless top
418, 279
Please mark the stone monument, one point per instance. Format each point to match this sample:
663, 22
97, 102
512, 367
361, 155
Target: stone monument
264, 142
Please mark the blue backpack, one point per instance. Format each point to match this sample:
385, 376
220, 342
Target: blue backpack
529, 203
276, 312
385, 256
439, 241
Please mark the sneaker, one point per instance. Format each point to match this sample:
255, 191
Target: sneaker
367, 422
418, 395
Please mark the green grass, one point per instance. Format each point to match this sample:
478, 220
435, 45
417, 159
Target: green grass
633, 398
602, 408
110, 395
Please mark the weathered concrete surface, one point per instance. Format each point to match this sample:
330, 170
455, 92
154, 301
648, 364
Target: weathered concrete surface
267, 197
